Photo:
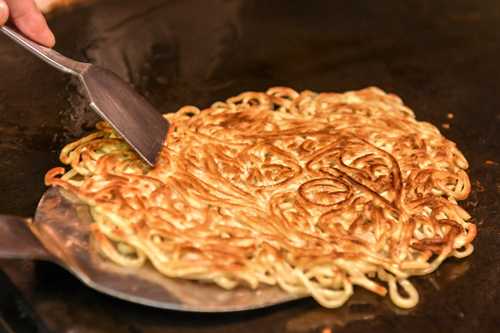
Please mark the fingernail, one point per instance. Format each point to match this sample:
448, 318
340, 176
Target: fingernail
4, 12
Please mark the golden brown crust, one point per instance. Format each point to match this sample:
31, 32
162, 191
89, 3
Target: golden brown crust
313, 192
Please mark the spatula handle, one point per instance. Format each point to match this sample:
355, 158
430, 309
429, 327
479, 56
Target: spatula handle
18, 242
46, 54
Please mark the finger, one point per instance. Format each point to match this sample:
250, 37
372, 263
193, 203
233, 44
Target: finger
27, 17
4, 12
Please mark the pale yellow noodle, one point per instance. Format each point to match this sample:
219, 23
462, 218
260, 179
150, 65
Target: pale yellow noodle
316, 193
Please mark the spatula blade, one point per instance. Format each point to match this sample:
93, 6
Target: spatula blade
137, 121
126, 111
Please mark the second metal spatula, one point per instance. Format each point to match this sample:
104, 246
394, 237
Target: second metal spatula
126, 111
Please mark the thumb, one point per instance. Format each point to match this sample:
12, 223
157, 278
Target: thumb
4, 12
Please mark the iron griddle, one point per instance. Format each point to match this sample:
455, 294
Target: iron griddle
440, 57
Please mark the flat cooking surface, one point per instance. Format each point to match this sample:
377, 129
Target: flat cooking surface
441, 57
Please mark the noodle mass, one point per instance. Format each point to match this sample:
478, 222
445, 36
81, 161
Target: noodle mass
315, 193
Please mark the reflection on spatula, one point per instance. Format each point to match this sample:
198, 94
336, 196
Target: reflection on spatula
126, 111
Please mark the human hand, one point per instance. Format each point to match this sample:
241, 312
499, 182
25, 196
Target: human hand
27, 17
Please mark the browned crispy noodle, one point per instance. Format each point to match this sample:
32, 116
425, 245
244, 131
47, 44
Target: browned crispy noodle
311, 192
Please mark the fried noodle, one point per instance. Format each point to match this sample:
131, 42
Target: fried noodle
313, 192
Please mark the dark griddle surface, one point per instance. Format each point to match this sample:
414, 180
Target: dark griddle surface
441, 57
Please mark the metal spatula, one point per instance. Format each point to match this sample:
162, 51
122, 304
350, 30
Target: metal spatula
62, 225
126, 111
